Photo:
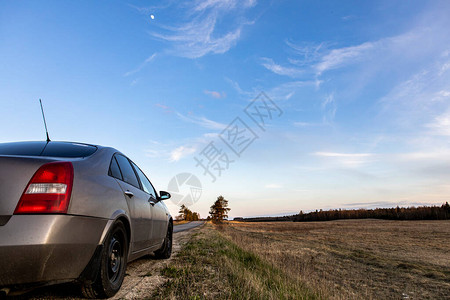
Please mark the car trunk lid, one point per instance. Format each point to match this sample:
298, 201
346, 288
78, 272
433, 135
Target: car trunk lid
15, 173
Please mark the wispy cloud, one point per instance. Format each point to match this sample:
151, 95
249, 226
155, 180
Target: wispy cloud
202, 121
306, 53
156, 150
348, 17
316, 59
346, 155
329, 107
287, 90
421, 103
215, 94
269, 64
141, 66
135, 81
305, 56
238, 88
200, 34
306, 124
202, 5
147, 10
166, 108
342, 56
348, 160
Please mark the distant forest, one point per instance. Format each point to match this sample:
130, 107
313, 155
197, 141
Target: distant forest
397, 213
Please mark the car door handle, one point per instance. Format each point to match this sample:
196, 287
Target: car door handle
129, 194
151, 202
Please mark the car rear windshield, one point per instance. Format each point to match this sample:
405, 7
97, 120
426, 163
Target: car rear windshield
53, 149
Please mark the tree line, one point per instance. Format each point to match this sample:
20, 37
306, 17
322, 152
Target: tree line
397, 213
218, 212
185, 214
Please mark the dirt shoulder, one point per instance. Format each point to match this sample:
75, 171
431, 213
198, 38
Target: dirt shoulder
141, 279
143, 275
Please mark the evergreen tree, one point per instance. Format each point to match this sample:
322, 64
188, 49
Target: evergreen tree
219, 210
187, 215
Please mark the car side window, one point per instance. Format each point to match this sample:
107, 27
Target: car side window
146, 185
114, 169
127, 171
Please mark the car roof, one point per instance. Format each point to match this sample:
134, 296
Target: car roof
51, 149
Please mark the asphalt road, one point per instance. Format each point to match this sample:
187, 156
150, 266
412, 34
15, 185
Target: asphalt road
187, 226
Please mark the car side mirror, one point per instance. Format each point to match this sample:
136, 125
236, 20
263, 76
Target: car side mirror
163, 195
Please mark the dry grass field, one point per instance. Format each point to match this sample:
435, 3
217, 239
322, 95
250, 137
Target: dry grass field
346, 259
211, 266
355, 259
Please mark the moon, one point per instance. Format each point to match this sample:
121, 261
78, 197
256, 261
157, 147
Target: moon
152, 17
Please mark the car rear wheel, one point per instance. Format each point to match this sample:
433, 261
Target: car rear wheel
113, 262
166, 249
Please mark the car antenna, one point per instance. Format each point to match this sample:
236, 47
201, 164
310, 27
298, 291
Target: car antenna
45, 123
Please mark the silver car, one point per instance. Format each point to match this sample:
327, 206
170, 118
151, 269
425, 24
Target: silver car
76, 212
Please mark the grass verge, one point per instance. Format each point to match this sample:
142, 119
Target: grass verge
180, 222
210, 266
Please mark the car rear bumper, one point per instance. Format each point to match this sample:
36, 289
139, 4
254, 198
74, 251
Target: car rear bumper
43, 248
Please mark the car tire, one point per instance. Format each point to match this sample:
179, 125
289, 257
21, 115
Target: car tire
113, 262
166, 249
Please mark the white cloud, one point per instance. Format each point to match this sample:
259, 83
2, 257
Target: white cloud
348, 18
238, 88
329, 107
202, 5
306, 124
444, 68
287, 90
440, 125
319, 58
141, 66
153, 153
148, 10
419, 101
306, 53
416, 156
215, 94
181, 152
162, 106
157, 150
342, 56
346, 155
284, 91
269, 64
200, 35
444, 93
210, 135
348, 160
135, 81
202, 121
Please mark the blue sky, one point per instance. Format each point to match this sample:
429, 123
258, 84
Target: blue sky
362, 88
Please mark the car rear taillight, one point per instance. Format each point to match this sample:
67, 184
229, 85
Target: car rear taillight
48, 191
